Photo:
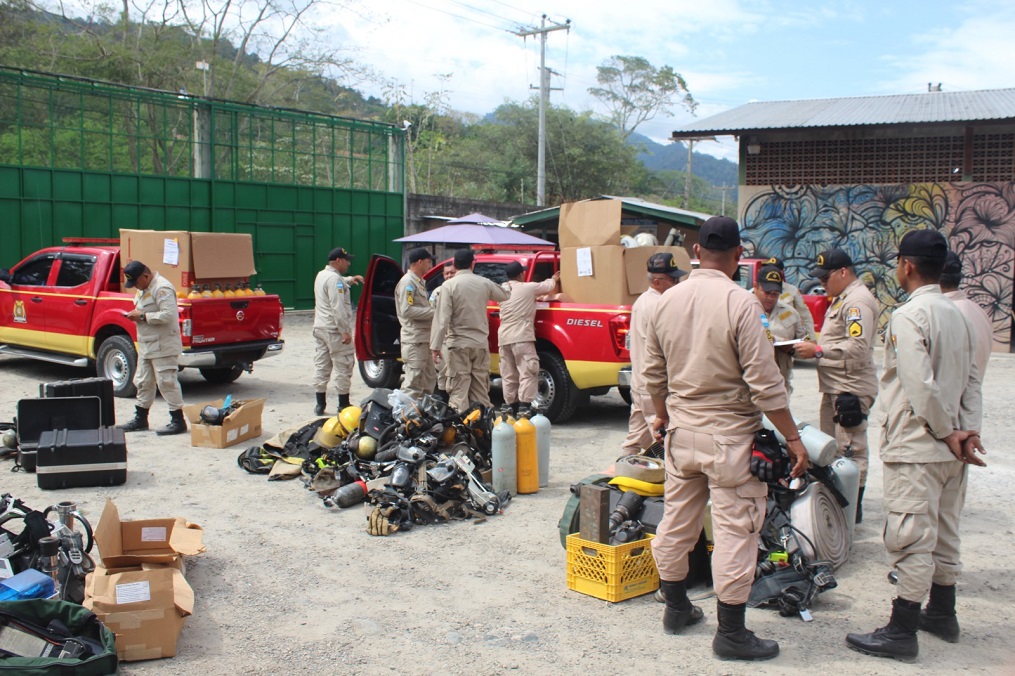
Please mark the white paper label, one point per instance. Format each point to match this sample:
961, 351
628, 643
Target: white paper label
133, 592
171, 252
584, 261
153, 534
232, 435
245, 429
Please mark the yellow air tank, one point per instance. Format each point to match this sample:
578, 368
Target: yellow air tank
527, 456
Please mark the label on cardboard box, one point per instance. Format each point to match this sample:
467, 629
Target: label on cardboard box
171, 252
232, 435
153, 534
583, 260
133, 592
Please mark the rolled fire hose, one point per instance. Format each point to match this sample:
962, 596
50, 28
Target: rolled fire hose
818, 516
641, 467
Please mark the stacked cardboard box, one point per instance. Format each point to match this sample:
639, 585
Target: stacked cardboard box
139, 591
188, 258
594, 267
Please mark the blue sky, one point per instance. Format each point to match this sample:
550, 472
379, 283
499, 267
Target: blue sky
730, 51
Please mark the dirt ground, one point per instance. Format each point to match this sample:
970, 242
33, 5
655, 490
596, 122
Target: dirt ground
288, 586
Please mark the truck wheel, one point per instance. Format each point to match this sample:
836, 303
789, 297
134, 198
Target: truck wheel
117, 360
222, 375
381, 372
625, 394
557, 396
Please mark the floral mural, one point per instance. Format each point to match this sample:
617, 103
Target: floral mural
796, 223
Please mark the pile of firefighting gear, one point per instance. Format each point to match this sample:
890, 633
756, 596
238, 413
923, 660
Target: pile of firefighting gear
415, 461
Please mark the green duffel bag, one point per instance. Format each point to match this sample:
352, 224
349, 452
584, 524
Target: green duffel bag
34, 634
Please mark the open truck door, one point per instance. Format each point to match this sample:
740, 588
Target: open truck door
377, 328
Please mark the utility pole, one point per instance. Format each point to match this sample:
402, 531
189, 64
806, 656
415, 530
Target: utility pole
687, 174
544, 95
725, 189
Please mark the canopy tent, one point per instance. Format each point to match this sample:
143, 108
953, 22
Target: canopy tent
472, 233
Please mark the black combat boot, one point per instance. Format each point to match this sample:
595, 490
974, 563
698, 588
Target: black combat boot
343, 402
679, 612
897, 639
734, 641
939, 617
177, 425
139, 423
322, 403
514, 408
859, 506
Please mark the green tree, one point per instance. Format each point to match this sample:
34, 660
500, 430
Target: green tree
635, 91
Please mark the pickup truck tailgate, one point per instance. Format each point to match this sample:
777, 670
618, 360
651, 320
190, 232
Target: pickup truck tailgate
216, 321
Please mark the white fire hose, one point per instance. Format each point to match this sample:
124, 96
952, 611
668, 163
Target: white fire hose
818, 516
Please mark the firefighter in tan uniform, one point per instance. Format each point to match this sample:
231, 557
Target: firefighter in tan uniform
442, 366
333, 325
780, 320
847, 378
983, 332
158, 347
791, 296
462, 326
663, 274
930, 390
415, 317
516, 337
709, 370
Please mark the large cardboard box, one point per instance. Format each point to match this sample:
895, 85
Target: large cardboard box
145, 541
590, 223
617, 276
186, 258
242, 424
145, 606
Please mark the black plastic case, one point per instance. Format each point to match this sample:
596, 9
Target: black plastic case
80, 458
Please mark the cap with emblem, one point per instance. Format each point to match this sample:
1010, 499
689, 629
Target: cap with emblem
131, 272
664, 264
719, 233
337, 253
513, 269
769, 278
831, 260
923, 244
419, 254
777, 262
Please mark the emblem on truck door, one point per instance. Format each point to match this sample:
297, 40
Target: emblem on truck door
239, 315
19, 312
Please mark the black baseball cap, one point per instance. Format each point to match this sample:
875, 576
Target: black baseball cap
769, 278
923, 244
664, 264
131, 272
719, 233
953, 264
513, 269
339, 252
777, 262
831, 260
419, 254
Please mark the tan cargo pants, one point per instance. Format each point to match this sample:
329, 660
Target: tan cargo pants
419, 369
331, 356
639, 424
519, 370
468, 377
853, 437
160, 371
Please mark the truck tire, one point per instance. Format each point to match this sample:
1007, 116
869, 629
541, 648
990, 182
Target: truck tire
116, 359
222, 375
381, 373
556, 394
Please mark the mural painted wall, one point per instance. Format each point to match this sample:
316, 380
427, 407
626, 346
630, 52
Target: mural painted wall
796, 223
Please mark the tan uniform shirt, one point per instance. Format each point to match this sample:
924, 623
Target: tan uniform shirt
518, 313
983, 332
709, 356
413, 309
930, 385
158, 335
642, 313
460, 319
791, 296
332, 301
785, 324
847, 338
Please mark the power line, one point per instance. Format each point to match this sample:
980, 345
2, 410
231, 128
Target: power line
459, 16
483, 11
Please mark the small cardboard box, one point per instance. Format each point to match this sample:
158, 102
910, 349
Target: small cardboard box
618, 273
134, 543
145, 606
242, 424
187, 257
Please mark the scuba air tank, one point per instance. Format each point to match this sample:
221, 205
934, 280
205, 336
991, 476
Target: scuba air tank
528, 457
195, 292
821, 448
846, 477
217, 293
205, 292
259, 291
542, 425
228, 292
351, 494
504, 458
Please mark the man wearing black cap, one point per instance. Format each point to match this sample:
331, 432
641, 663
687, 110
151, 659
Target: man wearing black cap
663, 274
158, 347
983, 332
781, 322
415, 317
516, 338
932, 401
847, 379
791, 296
462, 326
710, 373
333, 324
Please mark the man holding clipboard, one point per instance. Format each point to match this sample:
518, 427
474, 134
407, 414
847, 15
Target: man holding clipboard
782, 322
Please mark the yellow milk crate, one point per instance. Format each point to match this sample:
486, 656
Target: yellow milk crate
611, 572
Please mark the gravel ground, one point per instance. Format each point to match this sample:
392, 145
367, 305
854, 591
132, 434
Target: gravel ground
288, 586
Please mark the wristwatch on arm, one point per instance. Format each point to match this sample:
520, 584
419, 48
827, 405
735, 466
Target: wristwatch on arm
818, 352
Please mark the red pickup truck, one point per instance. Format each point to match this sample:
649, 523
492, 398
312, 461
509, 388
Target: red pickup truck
582, 348
64, 305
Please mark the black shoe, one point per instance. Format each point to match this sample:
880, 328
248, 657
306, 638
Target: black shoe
897, 639
859, 506
322, 403
177, 425
679, 612
139, 423
343, 402
734, 641
939, 616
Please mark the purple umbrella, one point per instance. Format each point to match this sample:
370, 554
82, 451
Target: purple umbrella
475, 234
476, 219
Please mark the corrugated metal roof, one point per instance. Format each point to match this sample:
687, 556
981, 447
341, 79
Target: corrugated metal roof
928, 107
635, 204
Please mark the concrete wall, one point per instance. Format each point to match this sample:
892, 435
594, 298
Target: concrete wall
420, 206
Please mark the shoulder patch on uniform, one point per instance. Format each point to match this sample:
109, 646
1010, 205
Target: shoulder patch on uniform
854, 329
786, 314
163, 293
408, 296
853, 314
409, 287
